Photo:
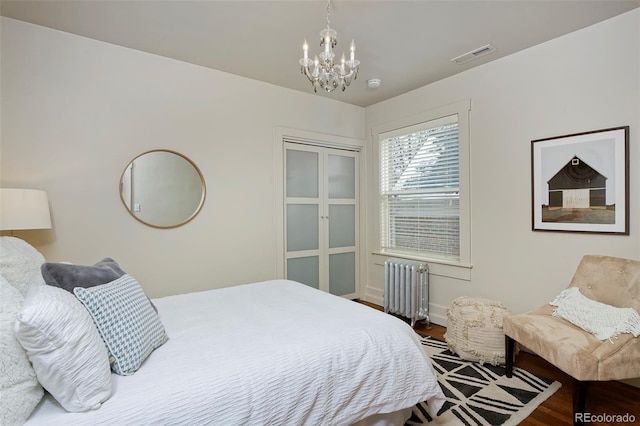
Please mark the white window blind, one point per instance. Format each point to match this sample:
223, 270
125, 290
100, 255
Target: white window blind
420, 189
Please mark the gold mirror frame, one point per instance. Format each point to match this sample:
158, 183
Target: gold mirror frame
130, 205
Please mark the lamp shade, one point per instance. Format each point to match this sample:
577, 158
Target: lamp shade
24, 209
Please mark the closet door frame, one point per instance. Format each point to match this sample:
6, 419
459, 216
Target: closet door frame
319, 140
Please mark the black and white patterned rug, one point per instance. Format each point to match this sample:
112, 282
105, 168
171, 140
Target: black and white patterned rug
480, 394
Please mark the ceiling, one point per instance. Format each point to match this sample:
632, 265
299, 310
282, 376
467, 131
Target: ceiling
406, 44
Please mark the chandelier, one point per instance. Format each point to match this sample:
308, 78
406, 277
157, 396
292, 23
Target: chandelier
322, 71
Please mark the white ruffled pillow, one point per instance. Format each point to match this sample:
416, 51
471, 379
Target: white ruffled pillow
602, 320
20, 391
65, 348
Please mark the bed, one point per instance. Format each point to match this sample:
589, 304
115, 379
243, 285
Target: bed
269, 353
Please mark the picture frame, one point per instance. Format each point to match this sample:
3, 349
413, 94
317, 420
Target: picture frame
580, 182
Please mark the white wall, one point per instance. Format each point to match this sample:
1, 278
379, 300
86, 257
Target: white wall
584, 81
75, 112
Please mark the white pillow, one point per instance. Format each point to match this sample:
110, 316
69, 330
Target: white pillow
20, 391
64, 346
602, 320
127, 322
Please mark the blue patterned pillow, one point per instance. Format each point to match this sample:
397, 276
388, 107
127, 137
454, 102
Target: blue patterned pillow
127, 323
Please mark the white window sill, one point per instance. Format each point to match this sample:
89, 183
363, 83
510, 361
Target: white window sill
439, 267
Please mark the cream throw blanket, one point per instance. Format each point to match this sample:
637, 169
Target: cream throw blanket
602, 320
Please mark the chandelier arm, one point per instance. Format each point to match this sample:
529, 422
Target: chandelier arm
306, 72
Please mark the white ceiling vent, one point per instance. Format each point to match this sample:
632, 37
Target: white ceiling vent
470, 56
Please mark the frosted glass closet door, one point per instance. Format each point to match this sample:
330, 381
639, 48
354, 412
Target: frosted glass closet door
302, 210
341, 208
321, 218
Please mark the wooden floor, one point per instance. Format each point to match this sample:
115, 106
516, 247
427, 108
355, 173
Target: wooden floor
611, 398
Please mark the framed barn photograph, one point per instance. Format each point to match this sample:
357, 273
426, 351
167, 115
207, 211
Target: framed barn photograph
580, 182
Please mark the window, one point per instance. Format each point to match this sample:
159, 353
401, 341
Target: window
424, 212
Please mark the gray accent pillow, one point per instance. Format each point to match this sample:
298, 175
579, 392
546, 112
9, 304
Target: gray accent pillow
69, 276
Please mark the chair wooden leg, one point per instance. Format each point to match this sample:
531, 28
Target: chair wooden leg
579, 395
509, 355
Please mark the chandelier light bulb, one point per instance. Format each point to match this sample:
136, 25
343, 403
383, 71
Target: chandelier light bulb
325, 74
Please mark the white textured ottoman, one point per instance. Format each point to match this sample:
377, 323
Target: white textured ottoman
475, 330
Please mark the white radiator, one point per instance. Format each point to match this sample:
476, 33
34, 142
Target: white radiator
406, 289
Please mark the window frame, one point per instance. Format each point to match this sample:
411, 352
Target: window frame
462, 109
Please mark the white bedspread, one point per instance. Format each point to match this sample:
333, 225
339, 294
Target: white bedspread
271, 353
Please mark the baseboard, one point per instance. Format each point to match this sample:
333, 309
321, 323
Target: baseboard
374, 295
632, 382
437, 313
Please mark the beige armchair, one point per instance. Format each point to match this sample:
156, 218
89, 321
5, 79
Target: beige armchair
609, 280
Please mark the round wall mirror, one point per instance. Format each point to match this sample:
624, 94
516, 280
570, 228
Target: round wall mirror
162, 188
